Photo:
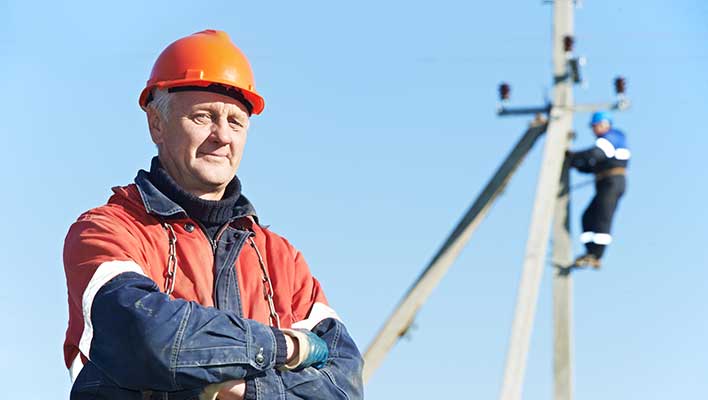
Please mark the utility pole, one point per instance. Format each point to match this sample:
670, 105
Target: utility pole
545, 205
562, 294
562, 256
551, 204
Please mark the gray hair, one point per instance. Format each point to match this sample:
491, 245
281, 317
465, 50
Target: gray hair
161, 101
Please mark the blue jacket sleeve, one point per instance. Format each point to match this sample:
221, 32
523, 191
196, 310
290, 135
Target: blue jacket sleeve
144, 340
340, 378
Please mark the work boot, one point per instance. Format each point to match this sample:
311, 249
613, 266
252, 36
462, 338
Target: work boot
588, 260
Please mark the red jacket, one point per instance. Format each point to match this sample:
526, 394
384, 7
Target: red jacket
120, 249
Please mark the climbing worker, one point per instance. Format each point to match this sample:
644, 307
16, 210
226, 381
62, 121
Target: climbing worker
608, 161
175, 289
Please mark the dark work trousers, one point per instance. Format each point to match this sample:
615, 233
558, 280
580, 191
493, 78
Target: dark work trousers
597, 218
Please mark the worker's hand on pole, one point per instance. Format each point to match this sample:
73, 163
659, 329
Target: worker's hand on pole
308, 349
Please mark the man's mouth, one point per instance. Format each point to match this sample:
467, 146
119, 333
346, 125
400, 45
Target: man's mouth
214, 154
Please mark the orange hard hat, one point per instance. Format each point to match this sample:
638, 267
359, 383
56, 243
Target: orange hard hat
203, 61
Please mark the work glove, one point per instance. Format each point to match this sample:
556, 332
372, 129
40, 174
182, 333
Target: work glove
313, 350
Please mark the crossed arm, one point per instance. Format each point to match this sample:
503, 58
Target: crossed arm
145, 341
136, 339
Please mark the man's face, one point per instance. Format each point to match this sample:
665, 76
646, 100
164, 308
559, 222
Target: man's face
601, 128
201, 141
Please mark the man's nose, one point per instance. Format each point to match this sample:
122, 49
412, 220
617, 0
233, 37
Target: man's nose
221, 131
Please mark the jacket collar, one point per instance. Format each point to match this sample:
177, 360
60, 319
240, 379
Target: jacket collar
155, 202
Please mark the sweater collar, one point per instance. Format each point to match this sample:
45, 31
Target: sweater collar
161, 195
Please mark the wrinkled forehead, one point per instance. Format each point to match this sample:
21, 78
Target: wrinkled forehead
188, 101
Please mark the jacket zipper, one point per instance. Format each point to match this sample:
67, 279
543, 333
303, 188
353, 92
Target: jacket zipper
268, 290
211, 241
214, 245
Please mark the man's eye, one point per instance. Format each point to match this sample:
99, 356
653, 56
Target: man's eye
202, 118
235, 124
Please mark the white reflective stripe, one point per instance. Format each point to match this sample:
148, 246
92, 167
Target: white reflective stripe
75, 368
319, 312
586, 237
606, 146
622, 154
103, 274
602, 238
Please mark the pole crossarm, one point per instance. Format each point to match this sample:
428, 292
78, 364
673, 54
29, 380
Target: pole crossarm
619, 105
403, 315
504, 111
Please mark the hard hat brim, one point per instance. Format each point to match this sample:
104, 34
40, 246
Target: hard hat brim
257, 102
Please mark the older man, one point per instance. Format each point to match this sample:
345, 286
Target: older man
175, 290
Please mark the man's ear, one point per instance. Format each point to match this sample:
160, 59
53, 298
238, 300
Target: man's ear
156, 125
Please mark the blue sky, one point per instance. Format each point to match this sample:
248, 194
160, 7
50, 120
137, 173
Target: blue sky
379, 130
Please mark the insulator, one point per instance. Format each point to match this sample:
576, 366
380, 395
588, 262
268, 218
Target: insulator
504, 91
568, 42
620, 85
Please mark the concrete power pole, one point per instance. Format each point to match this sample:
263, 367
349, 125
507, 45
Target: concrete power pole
562, 244
562, 295
545, 205
551, 204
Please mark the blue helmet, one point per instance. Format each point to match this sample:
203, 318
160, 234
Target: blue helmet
600, 116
